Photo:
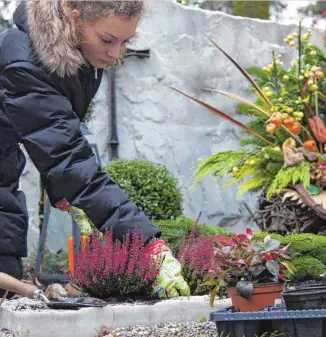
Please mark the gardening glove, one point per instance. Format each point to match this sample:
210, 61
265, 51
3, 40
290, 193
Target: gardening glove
170, 282
79, 217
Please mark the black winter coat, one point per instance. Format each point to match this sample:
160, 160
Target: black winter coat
45, 90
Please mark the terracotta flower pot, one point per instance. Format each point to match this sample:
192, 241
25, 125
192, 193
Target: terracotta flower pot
262, 295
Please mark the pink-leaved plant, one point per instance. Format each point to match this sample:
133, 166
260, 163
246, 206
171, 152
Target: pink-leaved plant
110, 268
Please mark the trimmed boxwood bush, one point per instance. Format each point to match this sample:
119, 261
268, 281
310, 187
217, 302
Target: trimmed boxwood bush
208, 228
174, 230
151, 187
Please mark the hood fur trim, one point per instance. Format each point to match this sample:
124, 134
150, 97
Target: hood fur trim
49, 41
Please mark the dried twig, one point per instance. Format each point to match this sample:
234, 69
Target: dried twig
287, 217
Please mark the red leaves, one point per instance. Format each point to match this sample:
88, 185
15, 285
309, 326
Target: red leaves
249, 233
222, 240
318, 128
239, 259
197, 254
109, 267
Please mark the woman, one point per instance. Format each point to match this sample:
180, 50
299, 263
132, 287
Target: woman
51, 68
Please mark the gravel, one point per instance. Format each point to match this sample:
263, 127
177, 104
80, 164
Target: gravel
187, 329
5, 333
24, 304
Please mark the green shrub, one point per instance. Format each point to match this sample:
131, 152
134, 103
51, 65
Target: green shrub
306, 268
209, 229
151, 187
174, 230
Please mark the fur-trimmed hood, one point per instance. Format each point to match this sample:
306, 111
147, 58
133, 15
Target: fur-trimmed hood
49, 36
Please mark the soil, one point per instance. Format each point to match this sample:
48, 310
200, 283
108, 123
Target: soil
308, 283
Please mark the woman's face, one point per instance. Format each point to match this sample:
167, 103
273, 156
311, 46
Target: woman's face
104, 41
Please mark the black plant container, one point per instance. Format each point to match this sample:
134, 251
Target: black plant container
305, 298
287, 323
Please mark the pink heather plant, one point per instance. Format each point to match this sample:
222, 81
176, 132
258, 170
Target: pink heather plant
196, 254
109, 268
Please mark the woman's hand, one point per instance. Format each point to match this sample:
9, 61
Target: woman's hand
170, 282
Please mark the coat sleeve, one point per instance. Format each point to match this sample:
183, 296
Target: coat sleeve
50, 132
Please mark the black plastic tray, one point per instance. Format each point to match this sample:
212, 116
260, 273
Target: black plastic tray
287, 323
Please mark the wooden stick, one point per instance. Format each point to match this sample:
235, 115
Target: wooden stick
84, 242
71, 251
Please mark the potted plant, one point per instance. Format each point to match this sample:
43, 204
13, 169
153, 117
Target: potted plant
252, 272
285, 152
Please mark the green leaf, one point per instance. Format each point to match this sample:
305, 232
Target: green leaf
285, 256
223, 284
273, 267
257, 270
258, 72
245, 289
314, 190
211, 283
255, 260
213, 294
256, 247
220, 163
287, 267
290, 176
272, 244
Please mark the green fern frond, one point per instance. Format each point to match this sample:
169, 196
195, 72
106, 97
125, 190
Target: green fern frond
245, 109
221, 163
259, 73
252, 141
290, 176
251, 167
258, 171
255, 183
259, 126
275, 156
273, 168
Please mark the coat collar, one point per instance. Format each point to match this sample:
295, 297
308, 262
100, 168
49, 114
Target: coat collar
50, 36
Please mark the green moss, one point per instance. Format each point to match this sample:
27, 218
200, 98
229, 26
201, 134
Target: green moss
308, 244
251, 9
259, 236
307, 268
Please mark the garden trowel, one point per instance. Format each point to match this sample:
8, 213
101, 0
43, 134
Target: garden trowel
10, 283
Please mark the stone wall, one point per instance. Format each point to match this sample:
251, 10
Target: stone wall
157, 124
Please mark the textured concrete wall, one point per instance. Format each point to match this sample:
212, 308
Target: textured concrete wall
157, 124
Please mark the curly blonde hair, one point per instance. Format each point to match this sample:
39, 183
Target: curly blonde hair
93, 10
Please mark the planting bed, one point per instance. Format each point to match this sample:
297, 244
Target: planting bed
29, 318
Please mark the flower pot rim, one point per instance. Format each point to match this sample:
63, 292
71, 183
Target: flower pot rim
304, 291
261, 285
